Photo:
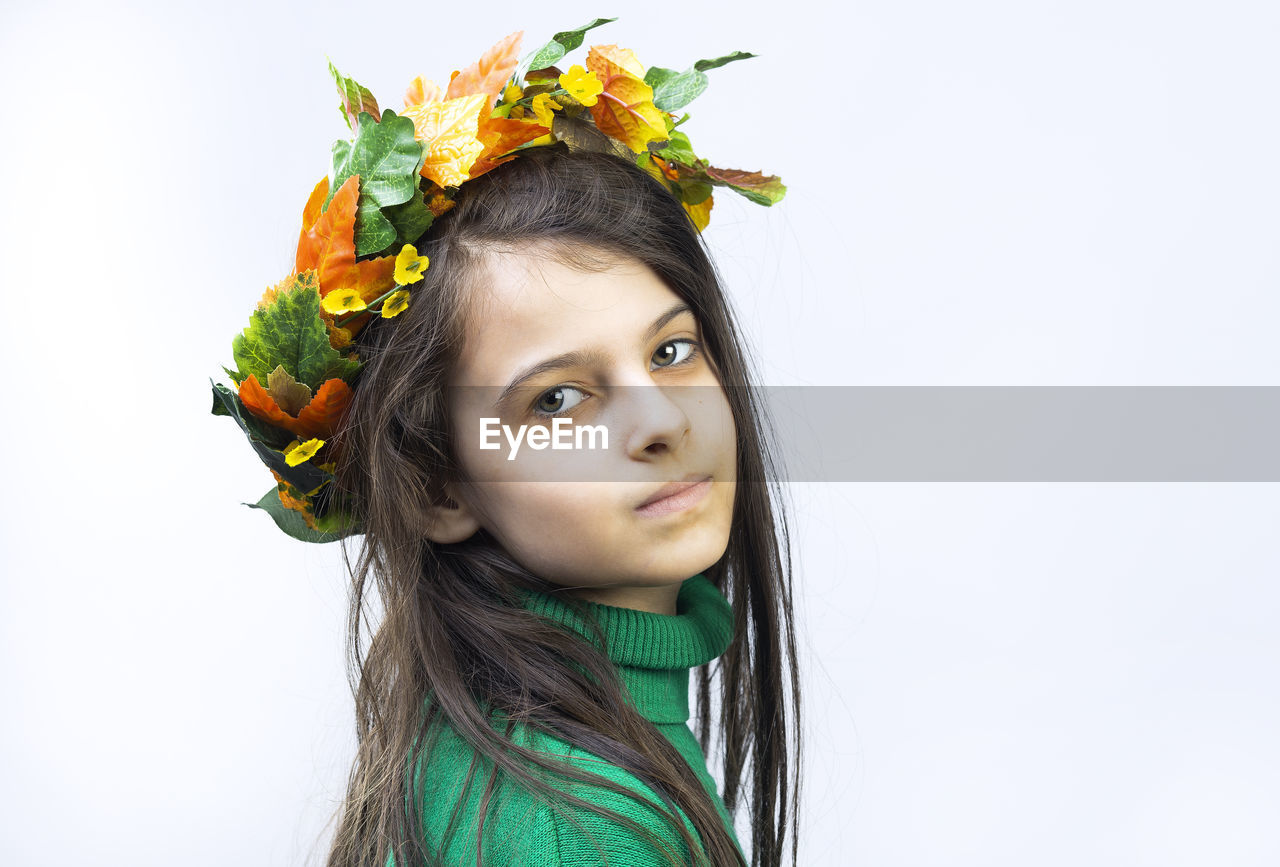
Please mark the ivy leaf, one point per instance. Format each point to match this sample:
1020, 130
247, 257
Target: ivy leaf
411, 219
673, 90
306, 476
288, 331
355, 98
563, 42
386, 156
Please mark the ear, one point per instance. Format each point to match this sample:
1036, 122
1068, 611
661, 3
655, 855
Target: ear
449, 519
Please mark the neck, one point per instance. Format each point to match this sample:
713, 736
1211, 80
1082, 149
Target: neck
657, 600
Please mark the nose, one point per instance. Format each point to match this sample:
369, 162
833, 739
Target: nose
655, 420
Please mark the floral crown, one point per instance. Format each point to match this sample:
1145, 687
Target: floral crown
356, 257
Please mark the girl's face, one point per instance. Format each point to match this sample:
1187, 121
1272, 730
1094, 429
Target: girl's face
615, 349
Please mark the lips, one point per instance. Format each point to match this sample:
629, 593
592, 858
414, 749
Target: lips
672, 489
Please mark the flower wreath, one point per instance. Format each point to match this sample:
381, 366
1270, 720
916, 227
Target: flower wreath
356, 255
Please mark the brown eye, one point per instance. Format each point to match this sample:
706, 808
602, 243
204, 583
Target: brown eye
553, 400
670, 353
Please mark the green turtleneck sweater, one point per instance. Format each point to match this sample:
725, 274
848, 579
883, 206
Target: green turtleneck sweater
654, 654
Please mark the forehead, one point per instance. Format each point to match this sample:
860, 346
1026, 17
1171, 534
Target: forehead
527, 307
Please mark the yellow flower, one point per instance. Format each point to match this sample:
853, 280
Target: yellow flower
409, 265
582, 85
544, 108
396, 302
340, 300
297, 451
512, 93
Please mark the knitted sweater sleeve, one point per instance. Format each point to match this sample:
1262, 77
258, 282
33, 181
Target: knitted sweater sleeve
580, 836
519, 828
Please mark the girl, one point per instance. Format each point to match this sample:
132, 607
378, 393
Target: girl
525, 697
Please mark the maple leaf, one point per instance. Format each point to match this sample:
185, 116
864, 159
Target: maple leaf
488, 76
289, 394
317, 419
449, 131
500, 136
267, 440
327, 244
290, 332
625, 109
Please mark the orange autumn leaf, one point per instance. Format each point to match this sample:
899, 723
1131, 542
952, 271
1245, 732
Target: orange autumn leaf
488, 76
370, 278
327, 245
450, 130
315, 202
437, 201
500, 135
664, 169
325, 410
625, 109
290, 500
317, 419
422, 90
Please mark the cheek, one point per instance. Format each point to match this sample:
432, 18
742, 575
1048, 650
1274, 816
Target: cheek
562, 531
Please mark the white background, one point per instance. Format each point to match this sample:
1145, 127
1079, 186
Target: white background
986, 193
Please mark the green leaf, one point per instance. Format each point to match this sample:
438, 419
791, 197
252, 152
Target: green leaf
387, 158
762, 189
704, 65
561, 43
290, 332
694, 192
411, 220
306, 476
227, 402
673, 90
292, 522
679, 150
355, 98
236, 376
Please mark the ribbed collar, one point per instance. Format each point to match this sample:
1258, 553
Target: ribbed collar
654, 652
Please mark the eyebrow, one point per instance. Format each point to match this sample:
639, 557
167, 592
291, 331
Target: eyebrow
581, 358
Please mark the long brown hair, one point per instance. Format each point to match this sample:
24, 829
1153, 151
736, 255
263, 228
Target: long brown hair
454, 644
